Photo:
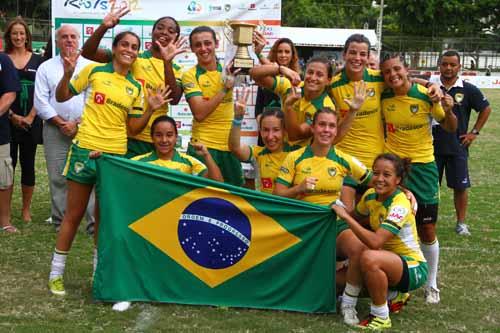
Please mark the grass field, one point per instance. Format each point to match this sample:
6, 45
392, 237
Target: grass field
469, 274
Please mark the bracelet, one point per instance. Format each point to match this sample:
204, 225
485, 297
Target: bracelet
428, 84
237, 122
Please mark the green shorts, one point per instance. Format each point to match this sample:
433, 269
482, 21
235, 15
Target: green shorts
229, 165
423, 182
414, 275
341, 226
136, 147
79, 167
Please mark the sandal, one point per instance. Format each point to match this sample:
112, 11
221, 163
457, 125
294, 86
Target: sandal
10, 229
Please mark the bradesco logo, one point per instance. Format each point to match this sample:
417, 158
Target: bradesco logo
99, 98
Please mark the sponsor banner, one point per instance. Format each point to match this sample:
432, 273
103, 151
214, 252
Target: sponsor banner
482, 82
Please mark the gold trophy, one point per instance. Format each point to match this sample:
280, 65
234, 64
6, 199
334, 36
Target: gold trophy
242, 37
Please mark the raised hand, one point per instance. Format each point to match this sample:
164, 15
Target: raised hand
292, 75
435, 93
158, 98
259, 42
230, 77
447, 102
293, 97
69, 62
169, 51
240, 103
200, 149
113, 17
359, 96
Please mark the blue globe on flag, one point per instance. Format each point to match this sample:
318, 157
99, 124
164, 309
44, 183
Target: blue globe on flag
214, 233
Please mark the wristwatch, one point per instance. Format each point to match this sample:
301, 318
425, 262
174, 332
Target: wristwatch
475, 131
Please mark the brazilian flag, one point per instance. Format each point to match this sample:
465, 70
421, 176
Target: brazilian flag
169, 237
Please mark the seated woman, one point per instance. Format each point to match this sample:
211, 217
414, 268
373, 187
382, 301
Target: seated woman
315, 174
268, 158
164, 136
393, 259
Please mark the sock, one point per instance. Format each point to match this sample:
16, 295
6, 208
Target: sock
381, 311
58, 264
460, 222
431, 254
350, 295
392, 294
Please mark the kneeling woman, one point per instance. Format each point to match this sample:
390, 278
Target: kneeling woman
164, 137
113, 107
315, 174
393, 260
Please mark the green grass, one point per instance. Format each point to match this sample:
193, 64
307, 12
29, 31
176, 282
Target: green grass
469, 274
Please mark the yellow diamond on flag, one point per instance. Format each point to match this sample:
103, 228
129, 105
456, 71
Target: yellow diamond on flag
214, 234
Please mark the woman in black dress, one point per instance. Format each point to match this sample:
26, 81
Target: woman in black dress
26, 127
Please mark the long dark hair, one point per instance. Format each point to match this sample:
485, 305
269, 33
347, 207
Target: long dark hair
9, 47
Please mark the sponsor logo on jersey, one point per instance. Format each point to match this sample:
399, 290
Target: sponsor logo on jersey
397, 214
99, 98
267, 183
284, 170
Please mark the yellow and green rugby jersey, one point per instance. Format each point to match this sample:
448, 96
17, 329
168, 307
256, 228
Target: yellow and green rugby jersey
180, 162
213, 131
365, 138
303, 108
394, 215
408, 121
110, 99
329, 170
150, 72
268, 164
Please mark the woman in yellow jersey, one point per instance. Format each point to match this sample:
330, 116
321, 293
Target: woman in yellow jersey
315, 173
302, 103
408, 111
268, 158
284, 53
164, 136
393, 260
153, 68
113, 107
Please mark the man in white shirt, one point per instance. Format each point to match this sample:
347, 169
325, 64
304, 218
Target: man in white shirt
60, 121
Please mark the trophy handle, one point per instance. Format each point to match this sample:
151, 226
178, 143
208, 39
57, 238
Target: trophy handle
227, 31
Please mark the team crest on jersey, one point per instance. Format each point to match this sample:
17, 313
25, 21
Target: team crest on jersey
332, 171
459, 98
391, 108
78, 167
147, 68
284, 170
129, 90
414, 108
107, 83
370, 92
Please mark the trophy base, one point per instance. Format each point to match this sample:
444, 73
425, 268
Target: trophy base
244, 64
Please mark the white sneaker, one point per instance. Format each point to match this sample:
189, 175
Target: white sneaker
121, 306
462, 229
349, 314
431, 295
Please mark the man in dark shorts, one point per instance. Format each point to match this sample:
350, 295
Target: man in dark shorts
451, 150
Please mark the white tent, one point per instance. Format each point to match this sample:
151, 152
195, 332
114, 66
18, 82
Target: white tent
320, 37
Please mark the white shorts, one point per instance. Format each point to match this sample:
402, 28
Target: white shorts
6, 170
